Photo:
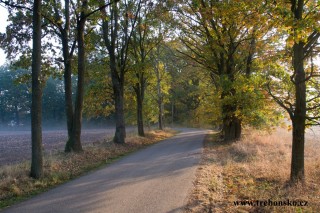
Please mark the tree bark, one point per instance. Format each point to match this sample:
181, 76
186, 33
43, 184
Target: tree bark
160, 99
300, 109
160, 117
118, 89
117, 67
67, 55
74, 143
36, 108
232, 128
68, 94
297, 158
231, 123
67, 68
68, 91
298, 122
139, 90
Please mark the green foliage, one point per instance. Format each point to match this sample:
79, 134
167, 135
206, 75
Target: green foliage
254, 106
223, 38
151, 96
99, 94
14, 96
53, 101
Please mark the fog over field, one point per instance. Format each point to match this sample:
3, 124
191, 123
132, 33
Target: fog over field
15, 146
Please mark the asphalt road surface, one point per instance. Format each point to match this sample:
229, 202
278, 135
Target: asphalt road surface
155, 179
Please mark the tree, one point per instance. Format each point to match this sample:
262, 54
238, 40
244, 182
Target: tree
61, 24
118, 24
162, 80
52, 101
57, 23
74, 142
82, 13
15, 96
144, 40
36, 108
300, 20
74, 118
99, 94
221, 36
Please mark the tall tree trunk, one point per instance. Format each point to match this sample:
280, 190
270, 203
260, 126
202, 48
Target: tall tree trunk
118, 90
68, 91
139, 90
117, 67
297, 158
36, 108
299, 115
298, 122
118, 45
172, 113
67, 55
74, 143
160, 117
160, 99
77, 118
68, 95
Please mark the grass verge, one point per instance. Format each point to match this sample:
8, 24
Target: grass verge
255, 168
16, 185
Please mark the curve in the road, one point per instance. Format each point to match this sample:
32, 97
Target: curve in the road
156, 179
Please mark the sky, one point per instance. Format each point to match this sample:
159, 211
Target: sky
3, 24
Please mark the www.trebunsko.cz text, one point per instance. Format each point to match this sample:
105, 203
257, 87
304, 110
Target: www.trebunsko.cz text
270, 203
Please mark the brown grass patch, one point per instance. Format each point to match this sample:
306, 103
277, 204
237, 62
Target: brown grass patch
255, 168
60, 167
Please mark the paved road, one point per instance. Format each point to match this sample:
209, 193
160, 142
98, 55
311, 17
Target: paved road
156, 179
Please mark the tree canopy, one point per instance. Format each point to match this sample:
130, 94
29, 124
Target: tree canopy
222, 64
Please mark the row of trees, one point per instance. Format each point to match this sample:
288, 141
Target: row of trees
276, 42
217, 62
75, 28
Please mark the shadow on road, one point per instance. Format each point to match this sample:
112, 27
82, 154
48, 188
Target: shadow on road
157, 177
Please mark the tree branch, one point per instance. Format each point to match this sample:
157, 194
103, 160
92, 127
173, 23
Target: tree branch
277, 99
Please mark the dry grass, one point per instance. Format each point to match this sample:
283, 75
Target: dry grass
60, 167
255, 168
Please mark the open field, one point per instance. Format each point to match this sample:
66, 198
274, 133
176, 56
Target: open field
256, 169
15, 146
